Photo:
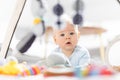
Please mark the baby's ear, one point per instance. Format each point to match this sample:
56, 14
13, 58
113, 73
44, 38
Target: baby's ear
54, 39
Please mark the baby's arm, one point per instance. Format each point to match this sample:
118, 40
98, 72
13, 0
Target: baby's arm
84, 60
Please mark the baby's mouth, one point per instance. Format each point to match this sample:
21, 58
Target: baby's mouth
68, 42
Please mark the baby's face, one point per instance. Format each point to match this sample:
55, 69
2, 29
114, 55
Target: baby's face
66, 38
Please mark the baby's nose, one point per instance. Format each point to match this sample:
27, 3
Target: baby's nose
67, 37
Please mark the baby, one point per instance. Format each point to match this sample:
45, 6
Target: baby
67, 39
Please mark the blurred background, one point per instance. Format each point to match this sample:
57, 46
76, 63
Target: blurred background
97, 15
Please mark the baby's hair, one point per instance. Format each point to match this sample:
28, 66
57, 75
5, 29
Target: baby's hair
65, 20
76, 28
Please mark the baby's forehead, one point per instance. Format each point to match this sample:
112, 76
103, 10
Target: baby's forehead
67, 29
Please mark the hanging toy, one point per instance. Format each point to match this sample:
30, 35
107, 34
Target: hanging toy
58, 10
78, 19
38, 9
37, 31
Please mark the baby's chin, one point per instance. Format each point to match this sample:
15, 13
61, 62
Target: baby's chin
69, 48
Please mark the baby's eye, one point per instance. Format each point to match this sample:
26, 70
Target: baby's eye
62, 34
72, 33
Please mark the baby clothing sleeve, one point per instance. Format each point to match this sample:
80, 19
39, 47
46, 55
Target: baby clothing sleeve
80, 57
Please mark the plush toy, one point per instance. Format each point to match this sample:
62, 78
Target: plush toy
38, 8
11, 66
